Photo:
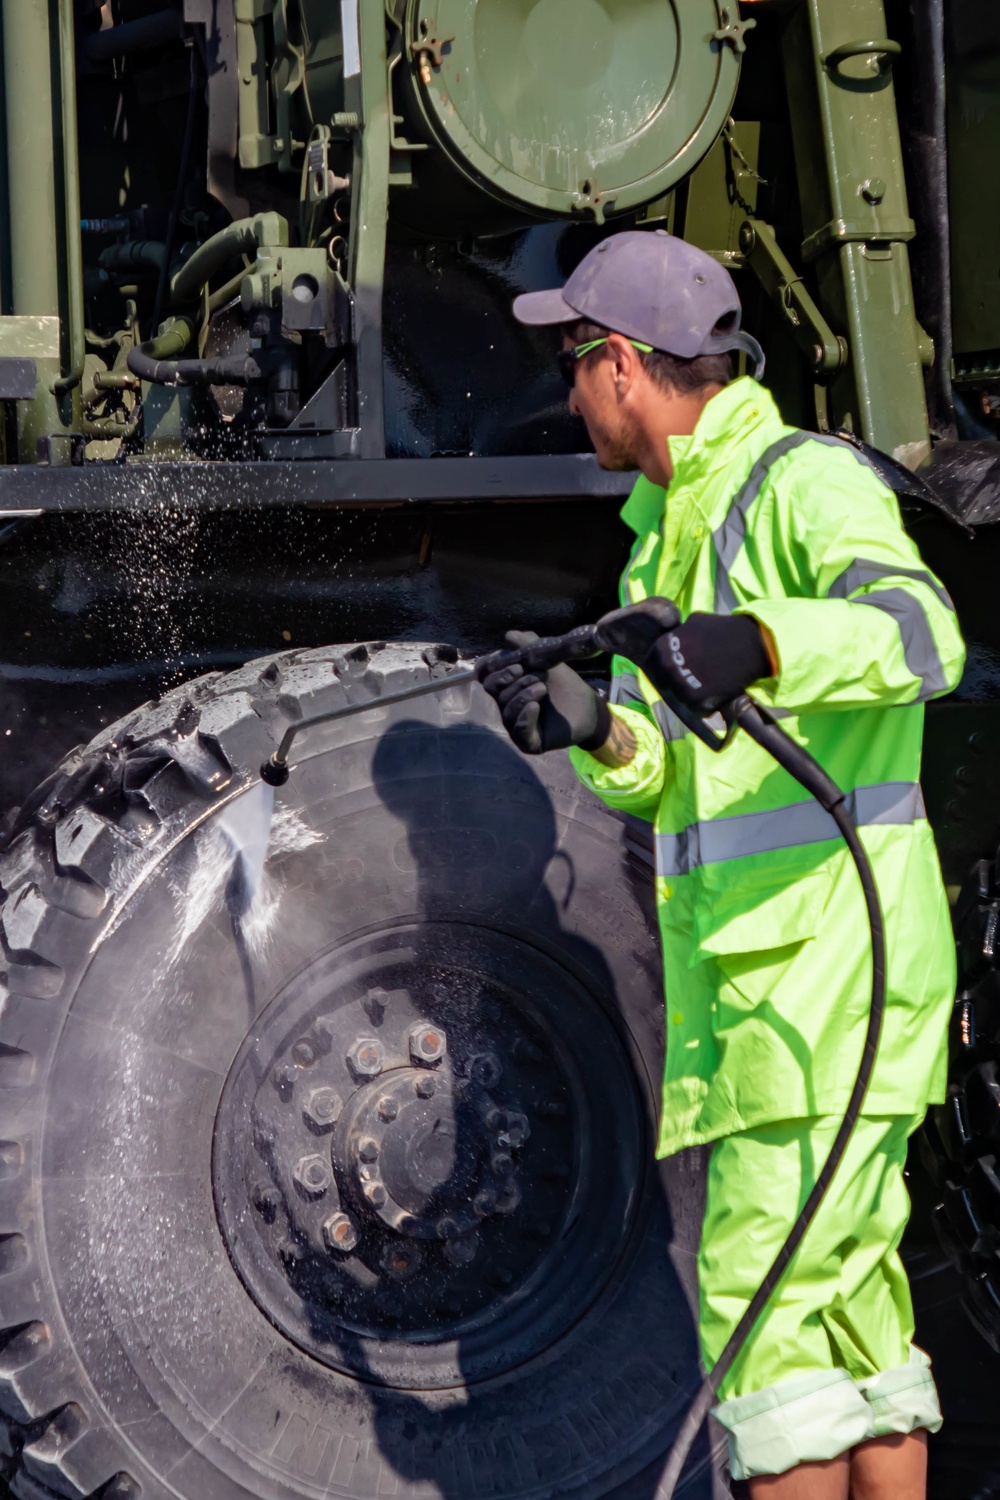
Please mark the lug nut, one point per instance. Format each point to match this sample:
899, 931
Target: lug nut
463, 1251
501, 1164
485, 1069
267, 1200
400, 1261
366, 1058
340, 1233
388, 1109
508, 1199
375, 1193
322, 1107
427, 1044
313, 1175
424, 1088
447, 1228
518, 1129
495, 1119
484, 1203
368, 1151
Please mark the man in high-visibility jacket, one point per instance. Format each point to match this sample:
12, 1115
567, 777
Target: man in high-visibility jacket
785, 555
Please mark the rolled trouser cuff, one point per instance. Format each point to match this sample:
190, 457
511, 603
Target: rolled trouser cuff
903, 1399
818, 1416
802, 1420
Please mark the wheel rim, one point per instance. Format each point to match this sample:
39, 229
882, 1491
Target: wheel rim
407, 1153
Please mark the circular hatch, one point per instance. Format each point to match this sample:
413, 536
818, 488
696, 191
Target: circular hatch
570, 106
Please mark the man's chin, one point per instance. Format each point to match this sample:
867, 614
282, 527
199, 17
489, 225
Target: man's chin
616, 462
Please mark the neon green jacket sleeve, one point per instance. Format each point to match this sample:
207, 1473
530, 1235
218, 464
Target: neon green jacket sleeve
856, 616
637, 787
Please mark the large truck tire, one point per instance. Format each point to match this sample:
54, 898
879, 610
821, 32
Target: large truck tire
961, 1138
337, 1181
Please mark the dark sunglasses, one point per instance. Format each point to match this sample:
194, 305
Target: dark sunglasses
567, 359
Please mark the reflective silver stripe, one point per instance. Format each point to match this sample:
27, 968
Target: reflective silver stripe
720, 839
670, 726
728, 538
625, 689
919, 647
863, 572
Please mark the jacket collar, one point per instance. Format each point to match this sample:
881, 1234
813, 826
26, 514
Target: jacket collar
730, 417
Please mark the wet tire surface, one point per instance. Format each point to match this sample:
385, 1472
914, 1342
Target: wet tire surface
257, 1133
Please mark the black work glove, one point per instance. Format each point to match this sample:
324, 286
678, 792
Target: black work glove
704, 662
547, 710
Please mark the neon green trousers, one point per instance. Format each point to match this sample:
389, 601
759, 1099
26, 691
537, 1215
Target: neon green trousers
831, 1362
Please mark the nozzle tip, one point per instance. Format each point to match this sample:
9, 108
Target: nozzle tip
275, 773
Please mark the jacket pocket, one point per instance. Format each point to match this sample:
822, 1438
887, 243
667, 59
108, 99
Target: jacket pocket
737, 909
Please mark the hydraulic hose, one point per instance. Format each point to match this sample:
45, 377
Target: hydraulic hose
808, 773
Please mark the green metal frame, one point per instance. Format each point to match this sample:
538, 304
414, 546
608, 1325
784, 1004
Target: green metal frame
856, 223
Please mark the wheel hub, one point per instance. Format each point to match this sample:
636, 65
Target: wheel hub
400, 1147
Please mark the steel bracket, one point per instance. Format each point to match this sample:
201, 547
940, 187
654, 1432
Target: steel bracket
824, 350
844, 232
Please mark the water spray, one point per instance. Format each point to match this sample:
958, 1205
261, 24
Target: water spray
743, 712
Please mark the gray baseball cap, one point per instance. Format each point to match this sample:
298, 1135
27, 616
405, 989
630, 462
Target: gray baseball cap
653, 287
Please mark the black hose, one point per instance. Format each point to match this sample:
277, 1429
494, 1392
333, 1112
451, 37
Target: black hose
178, 199
238, 370
800, 764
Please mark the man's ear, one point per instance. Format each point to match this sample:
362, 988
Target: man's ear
625, 362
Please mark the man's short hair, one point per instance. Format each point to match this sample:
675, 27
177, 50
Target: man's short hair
668, 370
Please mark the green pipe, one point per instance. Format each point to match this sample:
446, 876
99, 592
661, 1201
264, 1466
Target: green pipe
34, 219
71, 201
239, 238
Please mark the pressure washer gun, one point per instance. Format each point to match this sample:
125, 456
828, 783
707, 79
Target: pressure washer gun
743, 712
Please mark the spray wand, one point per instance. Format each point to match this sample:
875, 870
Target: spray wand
743, 712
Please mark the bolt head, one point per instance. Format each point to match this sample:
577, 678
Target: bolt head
518, 1128
508, 1198
322, 1107
388, 1109
304, 1052
873, 190
428, 1044
447, 1228
485, 1069
313, 1174
267, 1201
284, 1079
484, 1203
424, 1088
368, 1151
366, 1057
375, 1193
401, 1260
496, 1119
462, 1251
501, 1164
340, 1233
747, 238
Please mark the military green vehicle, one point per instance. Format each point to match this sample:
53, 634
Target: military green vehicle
325, 1131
